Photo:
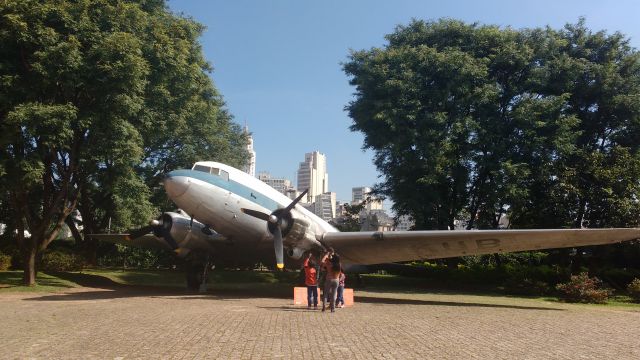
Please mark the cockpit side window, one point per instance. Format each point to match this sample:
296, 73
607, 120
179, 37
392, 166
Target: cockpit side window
202, 168
223, 174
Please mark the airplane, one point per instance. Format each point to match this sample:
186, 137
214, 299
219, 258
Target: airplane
229, 217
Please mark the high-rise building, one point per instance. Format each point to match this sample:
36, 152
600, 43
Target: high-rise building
312, 175
358, 194
250, 168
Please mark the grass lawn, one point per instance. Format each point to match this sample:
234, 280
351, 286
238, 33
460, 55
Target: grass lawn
261, 282
11, 281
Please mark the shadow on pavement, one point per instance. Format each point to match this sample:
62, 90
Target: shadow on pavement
87, 280
289, 308
130, 291
392, 301
103, 288
126, 291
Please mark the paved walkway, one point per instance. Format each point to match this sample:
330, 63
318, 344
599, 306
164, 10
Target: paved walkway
127, 324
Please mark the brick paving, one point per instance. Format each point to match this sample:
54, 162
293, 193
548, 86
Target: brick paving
91, 323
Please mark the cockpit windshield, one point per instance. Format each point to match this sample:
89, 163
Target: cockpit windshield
211, 170
202, 168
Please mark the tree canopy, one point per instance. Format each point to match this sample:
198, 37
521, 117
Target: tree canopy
471, 122
98, 98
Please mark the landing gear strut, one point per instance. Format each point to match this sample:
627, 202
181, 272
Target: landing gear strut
196, 272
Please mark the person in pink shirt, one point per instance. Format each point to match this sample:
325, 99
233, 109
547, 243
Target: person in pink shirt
333, 266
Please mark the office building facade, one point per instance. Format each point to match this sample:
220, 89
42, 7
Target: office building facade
281, 184
312, 175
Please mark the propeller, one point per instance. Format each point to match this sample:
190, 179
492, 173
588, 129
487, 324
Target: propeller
277, 221
136, 233
160, 228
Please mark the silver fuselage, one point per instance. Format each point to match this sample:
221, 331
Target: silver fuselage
216, 197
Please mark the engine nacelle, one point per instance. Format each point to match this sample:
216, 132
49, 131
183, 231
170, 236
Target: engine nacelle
300, 238
175, 228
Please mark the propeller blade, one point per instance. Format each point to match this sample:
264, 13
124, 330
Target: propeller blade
294, 202
136, 233
256, 214
277, 244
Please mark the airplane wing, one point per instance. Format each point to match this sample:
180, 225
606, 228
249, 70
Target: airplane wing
396, 246
179, 233
206, 243
145, 241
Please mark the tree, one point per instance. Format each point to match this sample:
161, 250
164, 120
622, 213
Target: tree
350, 220
98, 99
473, 122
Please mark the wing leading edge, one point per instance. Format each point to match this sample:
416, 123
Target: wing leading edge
145, 241
396, 246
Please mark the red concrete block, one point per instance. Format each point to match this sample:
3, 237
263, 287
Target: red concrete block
300, 296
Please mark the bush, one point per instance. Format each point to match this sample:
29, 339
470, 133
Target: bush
5, 262
584, 289
532, 279
634, 289
60, 261
618, 278
526, 286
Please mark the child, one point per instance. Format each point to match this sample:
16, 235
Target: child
340, 297
311, 281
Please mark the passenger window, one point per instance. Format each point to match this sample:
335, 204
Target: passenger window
224, 175
202, 168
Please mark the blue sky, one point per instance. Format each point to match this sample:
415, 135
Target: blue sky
278, 64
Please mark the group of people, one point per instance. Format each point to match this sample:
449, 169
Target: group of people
329, 273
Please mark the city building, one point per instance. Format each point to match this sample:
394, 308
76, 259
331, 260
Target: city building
281, 184
376, 220
250, 168
341, 210
293, 194
312, 175
360, 194
325, 206
404, 223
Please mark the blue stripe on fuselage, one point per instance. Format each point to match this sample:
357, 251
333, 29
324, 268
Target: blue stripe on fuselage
235, 187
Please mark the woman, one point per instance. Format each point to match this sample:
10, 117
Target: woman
331, 262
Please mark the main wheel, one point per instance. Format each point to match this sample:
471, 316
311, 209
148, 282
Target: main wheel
194, 276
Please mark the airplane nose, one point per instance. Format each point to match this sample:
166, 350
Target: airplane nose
175, 185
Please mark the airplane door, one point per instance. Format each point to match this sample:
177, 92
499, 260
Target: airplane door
232, 205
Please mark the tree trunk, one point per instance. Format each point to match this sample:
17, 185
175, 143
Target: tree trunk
581, 211
74, 230
29, 252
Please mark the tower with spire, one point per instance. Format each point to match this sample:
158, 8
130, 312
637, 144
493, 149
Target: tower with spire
250, 168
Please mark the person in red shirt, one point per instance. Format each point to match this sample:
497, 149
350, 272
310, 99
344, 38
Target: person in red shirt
311, 281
